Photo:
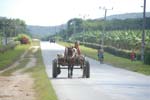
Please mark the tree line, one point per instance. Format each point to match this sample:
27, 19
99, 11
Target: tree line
87, 30
11, 28
77, 25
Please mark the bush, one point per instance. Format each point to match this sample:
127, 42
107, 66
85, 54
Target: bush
23, 38
147, 56
113, 50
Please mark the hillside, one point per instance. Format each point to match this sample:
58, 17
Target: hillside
127, 15
43, 29
40, 31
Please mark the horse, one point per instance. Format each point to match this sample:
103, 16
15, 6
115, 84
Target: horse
70, 54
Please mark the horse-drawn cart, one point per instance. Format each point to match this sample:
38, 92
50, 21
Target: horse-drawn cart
70, 61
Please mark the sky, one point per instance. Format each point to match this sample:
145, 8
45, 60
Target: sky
57, 12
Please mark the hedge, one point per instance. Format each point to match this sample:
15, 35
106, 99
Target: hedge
120, 52
147, 55
111, 50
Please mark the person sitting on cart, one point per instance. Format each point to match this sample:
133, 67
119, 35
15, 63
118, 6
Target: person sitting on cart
76, 45
79, 58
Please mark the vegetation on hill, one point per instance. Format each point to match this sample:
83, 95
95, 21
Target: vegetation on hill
117, 33
45, 32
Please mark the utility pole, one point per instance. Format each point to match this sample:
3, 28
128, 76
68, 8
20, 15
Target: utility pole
102, 38
74, 27
83, 29
55, 29
5, 33
143, 33
84, 18
84, 21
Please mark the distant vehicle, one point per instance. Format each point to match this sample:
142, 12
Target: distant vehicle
52, 40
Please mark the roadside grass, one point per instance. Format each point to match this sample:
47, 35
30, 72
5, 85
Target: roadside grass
11, 56
21, 65
35, 42
42, 84
136, 66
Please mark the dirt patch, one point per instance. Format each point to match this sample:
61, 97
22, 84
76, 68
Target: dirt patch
19, 86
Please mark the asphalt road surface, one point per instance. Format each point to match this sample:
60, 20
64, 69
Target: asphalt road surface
105, 83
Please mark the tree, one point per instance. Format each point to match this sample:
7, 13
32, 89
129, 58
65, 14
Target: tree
74, 26
11, 27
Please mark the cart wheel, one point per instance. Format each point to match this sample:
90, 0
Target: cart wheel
69, 72
54, 73
58, 70
69, 75
87, 69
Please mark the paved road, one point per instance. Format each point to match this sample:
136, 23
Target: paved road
105, 83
